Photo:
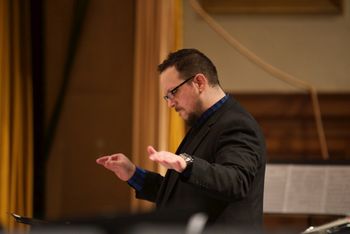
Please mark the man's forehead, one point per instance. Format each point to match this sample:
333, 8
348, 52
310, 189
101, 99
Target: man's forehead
169, 76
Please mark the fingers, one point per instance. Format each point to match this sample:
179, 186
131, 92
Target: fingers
168, 160
106, 159
151, 150
102, 160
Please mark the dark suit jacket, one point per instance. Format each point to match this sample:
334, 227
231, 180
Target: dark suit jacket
227, 176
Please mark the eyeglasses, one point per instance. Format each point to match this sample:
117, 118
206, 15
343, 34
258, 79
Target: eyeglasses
171, 94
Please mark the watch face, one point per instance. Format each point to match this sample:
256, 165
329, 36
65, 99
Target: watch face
188, 158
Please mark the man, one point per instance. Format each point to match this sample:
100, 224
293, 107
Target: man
219, 166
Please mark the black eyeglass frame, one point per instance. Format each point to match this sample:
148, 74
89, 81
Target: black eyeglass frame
170, 95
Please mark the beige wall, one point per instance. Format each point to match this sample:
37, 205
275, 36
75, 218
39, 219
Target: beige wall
314, 48
97, 116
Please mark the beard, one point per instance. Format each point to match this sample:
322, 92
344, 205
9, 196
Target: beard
192, 119
195, 115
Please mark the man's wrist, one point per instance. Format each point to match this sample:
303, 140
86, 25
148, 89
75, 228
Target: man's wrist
186, 173
138, 179
188, 159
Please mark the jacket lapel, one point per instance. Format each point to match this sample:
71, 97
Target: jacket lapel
173, 176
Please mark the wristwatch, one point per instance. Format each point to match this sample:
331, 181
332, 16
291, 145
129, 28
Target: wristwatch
188, 158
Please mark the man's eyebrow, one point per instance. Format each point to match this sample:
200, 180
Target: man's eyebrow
168, 90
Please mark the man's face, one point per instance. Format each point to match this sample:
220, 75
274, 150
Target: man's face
185, 100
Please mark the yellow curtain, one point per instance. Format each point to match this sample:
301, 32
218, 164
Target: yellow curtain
176, 124
146, 105
157, 33
16, 133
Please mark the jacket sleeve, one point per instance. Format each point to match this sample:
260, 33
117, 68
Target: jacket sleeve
234, 160
151, 187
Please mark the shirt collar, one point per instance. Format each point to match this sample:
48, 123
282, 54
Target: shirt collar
211, 111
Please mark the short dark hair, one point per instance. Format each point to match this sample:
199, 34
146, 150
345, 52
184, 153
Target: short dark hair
189, 62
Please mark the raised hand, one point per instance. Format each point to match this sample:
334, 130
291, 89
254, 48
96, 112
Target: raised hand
119, 164
167, 159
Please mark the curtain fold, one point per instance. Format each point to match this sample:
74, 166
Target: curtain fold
176, 124
145, 106
16, 118
156, 34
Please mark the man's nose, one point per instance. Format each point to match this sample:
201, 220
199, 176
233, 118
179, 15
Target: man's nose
170, 103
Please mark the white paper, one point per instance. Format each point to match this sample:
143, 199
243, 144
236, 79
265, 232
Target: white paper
275, 187
313, 189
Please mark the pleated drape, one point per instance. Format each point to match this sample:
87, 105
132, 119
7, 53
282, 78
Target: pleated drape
16, 118
158, 23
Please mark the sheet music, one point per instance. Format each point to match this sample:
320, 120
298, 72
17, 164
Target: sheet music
338, 190
275, 187
306, 189
314, 189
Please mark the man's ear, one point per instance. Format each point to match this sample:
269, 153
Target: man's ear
200, 81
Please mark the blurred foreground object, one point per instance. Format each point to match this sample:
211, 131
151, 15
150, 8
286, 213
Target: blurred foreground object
339, 226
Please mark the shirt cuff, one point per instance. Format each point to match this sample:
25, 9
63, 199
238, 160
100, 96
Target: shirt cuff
186, 174
138, 179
